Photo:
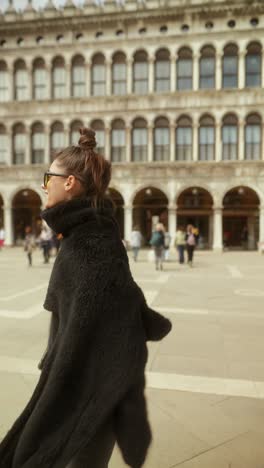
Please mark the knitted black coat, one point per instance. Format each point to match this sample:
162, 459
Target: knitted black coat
94, 365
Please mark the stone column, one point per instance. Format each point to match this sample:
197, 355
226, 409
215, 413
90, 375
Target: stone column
150, 143
173, 61
49, 91
218, 229
172, 222
172, 142
8, 225
261, 224
88, 70
108, 77
28, 147
151, 73
195, 142
128, 212
196, 58
128, 144
241, 69
251, 233
218, 141
108, 143
68, 87
30, 82
262, 69
11, 79
129, 65
262, 142
218, 76
241, 140
67, 136
9, 136
47, 158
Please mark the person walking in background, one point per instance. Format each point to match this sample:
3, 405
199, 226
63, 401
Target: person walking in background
157, 241
135, 242
29, 244
180, 242
2, 237
46, 241
191, 240
167, 242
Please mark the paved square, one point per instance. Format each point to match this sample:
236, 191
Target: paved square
205, 381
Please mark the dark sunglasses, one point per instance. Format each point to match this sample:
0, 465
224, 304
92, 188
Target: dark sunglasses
48, 175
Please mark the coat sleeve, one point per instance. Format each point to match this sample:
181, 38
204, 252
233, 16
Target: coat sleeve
99, 357
53, 330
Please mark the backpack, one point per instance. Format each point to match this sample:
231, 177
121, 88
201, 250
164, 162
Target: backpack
191, 239
157, 239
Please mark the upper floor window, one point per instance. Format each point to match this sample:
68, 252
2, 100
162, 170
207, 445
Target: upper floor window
140, 73
230, 66
119, 84
139, 140
253, 138
3, 145
207, 139
162, 71
184, 139
118, 141
4, 94
98, 75
98, 127
207, 68
253, 65
59, 78
37, 144
184, 69
230, 138
161, 140
39, 79
19, 144
57, 137
78, 77
21, 81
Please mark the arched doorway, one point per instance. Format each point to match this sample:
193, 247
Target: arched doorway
26, 207
241, 218
150, 206
195, 206
118, 201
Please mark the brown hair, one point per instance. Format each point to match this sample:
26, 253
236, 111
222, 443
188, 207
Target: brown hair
91, 168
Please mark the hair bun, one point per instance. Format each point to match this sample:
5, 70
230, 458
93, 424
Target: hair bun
87, 139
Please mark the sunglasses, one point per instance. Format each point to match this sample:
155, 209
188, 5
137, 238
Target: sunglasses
48, 175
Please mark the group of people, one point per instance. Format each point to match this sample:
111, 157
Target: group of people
46, 240
185, 240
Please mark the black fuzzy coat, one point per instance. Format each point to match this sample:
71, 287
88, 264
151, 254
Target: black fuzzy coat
94, 366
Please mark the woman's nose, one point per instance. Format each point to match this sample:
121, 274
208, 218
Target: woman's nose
44, 188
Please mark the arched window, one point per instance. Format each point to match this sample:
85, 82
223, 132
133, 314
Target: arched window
207, 68
253, 137
3, 145
98, 75
57, 137
184, 69
98, 127
38, 143
184, 139
75, 132
253, 65
229, 138
59, 78
19, 144
78, 77
230, 67
207, 138
3, 82
119, 84
139, 141
21, 81
118, 141
161, 140
39, 79
140, 73
162, 71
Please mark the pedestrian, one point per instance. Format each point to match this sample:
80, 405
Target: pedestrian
2, 237
135, 242
180, 242
191, 240
167, 242
157, 241
91, 388
45, 239
29, 244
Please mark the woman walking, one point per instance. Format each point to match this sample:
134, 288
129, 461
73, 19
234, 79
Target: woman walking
190, 243
91, 389
180, 242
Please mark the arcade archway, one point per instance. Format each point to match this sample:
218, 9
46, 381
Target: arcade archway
150, 206
195, 206
118, 201
241, 218
26, 207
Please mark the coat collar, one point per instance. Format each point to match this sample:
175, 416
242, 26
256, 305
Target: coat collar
63, 217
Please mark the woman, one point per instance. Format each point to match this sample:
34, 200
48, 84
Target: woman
191, 238
157, 241
180, 242
91, 389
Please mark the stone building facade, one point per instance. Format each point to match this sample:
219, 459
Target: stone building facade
174, 90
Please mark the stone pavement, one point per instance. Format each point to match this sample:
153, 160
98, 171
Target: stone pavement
205, 381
